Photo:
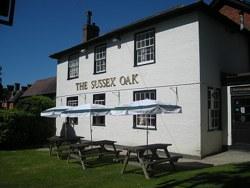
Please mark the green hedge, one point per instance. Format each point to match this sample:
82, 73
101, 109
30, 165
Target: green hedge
22, 129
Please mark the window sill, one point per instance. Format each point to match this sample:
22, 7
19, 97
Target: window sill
145, 128
73, 78
139, 65
99, 125
99, 72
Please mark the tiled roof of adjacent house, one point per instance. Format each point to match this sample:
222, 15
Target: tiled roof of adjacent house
42, 87
242, 5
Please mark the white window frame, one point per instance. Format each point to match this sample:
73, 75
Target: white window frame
214, 108
145, 47
100, 59
144, 121
73, 66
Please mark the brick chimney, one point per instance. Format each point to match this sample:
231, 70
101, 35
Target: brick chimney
17, 86
90, 30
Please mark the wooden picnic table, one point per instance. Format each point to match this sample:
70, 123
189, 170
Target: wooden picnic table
88, 149
57, 141
147, 156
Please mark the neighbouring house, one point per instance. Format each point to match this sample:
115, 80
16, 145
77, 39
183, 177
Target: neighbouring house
192, 56
12, 95
45, 87
236, 10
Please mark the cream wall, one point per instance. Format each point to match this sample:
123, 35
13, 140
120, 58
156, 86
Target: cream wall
176, 67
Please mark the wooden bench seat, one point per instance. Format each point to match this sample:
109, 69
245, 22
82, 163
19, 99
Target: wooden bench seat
163, 160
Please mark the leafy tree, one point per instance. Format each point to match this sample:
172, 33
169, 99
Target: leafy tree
23, 126
35, 104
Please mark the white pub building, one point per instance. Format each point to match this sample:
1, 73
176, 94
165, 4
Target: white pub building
182, 56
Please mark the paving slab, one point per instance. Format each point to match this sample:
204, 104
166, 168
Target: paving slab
227, 157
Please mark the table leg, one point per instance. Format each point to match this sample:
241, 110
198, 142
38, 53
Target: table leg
116, 153
82, 160
170, 160
125, 163
143, 166
50, 149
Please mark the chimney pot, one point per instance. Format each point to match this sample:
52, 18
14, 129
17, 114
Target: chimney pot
89, 14
90, 30
17, 86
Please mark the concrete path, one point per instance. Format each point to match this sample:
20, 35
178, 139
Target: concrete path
227, 157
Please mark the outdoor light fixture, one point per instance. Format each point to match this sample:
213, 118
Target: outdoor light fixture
117, 40
84, 52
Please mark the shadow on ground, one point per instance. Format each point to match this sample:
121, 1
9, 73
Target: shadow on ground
238, 177
96, 162
166, 169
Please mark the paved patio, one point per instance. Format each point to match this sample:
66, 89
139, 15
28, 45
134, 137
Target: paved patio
230, 156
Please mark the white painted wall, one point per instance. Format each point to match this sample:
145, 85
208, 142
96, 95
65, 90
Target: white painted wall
221, 50
177, 65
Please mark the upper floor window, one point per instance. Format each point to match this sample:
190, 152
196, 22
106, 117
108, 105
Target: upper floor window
99, 99
145, 48
73, 101
73, 66
144, 121
214, 109
100, 59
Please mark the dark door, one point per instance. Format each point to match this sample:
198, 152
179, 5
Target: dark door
241, 119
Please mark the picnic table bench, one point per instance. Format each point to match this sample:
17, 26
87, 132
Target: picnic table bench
89, 149
59, 144
146, 156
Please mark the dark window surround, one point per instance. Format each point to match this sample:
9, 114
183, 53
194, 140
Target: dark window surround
219, 128
103, 44
99, 125
77, 56
134, 116
135, 57
72, 98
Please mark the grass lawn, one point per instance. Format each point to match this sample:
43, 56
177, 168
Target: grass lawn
32, 168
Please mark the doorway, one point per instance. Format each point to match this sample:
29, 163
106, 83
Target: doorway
241, 119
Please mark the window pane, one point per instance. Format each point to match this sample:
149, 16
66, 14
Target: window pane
214, 108
144, 47
144, 121
99, 99
100, 59
73, 66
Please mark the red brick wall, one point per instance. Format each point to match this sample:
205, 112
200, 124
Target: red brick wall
233, 14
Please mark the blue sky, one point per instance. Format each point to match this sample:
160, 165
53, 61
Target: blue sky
43, 27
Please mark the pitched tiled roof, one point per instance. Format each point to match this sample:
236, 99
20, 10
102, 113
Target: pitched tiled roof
242, 5
42, 87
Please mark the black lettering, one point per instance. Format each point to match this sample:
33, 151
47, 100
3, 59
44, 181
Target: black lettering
122, 80
112, 84
77, 86
93, 84
134, 81
128, 80
107, 82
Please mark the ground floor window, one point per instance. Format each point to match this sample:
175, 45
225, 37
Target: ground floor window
99, 99
144, 121
214, 108
72, 101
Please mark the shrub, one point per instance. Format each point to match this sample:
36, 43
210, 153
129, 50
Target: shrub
35, 104
23, 127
